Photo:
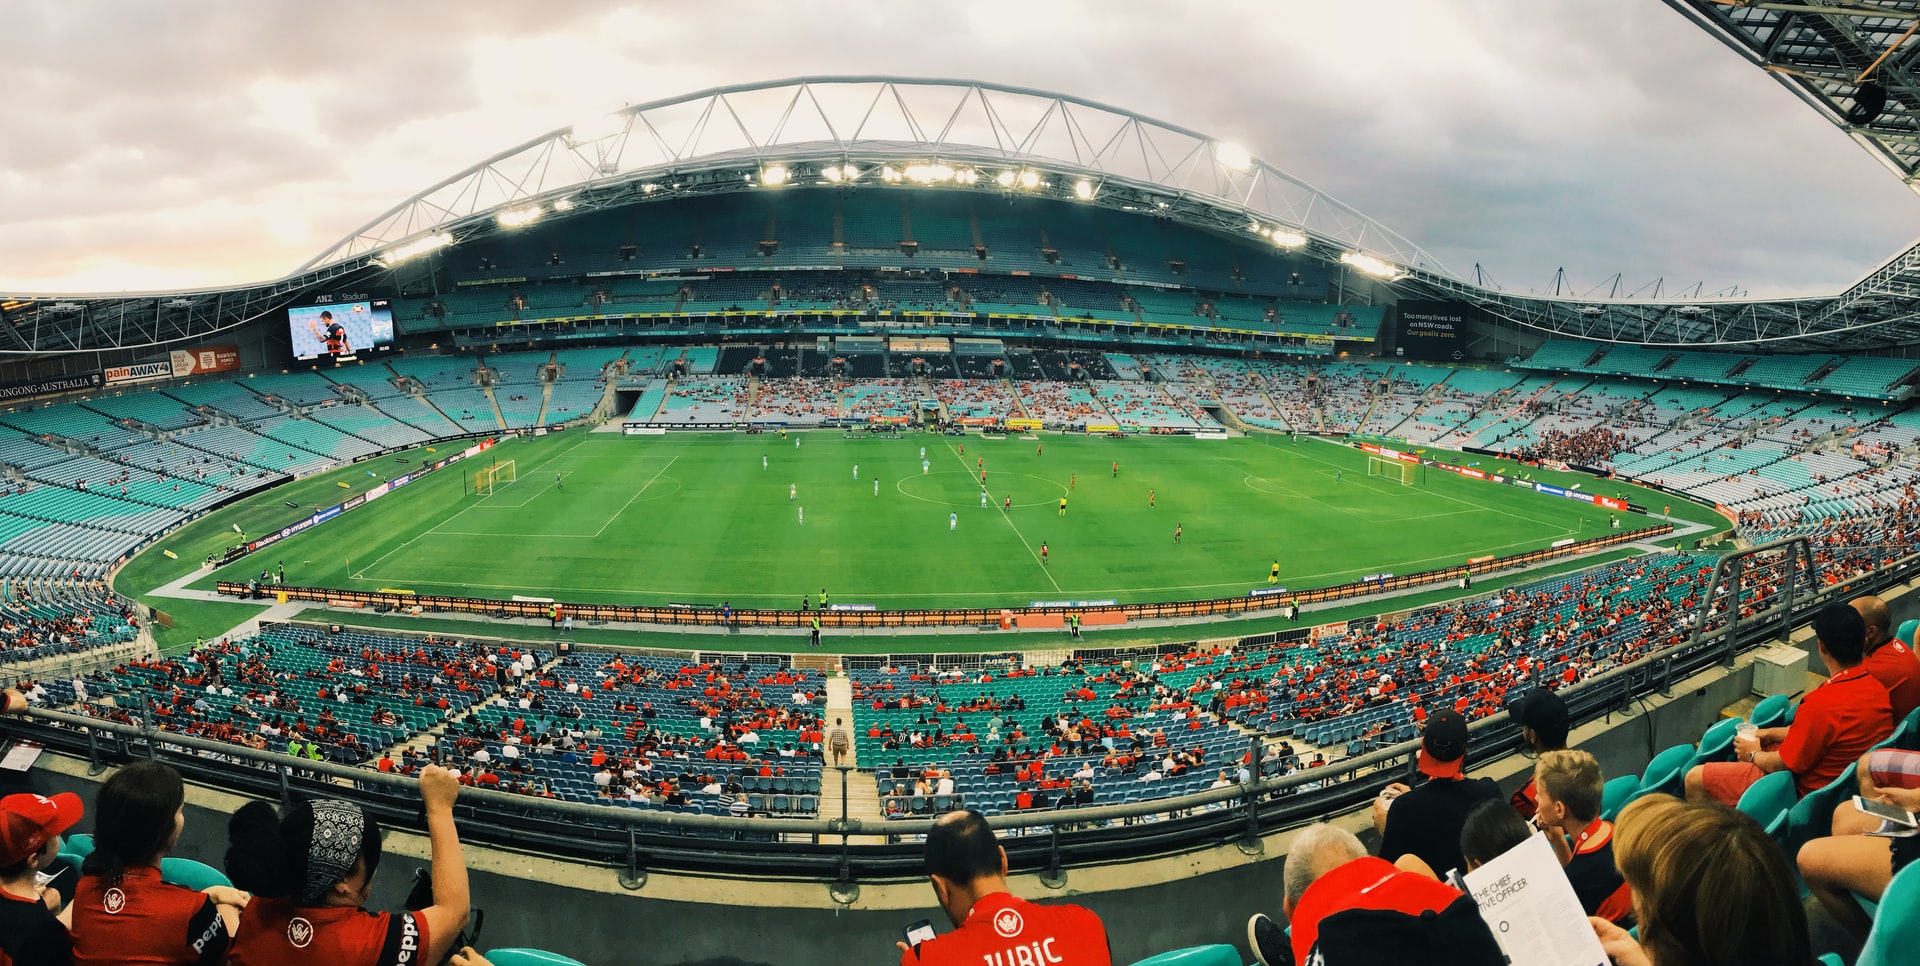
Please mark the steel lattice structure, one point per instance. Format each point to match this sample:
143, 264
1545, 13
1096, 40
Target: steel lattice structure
920, 134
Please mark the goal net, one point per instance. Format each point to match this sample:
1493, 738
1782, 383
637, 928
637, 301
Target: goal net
1407, 473
493, 477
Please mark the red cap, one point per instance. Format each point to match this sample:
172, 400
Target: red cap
28, 821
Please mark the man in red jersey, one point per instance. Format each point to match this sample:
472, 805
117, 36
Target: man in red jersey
1890, 662
993, 927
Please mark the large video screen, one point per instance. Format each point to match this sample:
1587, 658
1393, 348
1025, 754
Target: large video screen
340, 330
1434, 330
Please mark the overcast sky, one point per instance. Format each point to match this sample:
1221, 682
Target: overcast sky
158, 145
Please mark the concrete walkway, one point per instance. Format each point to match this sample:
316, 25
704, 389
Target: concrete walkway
277, 612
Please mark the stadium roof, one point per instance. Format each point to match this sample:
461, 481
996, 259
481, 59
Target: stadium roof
959, 135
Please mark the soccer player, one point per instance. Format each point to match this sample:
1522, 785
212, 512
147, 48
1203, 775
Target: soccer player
953, 522
923, 454
983, 477
1116, 469
796, 442
334, 336
1009, 506
1043, 552
1149, 498
980, 464
1336, 476
1072, 478
1273, 576
1039, 448
557, 484
803, 515
1176, 533
1063, 507
793, 492
924, 467
876, 487
856, 471
763, 464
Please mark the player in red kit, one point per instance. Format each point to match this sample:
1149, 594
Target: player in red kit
993, 927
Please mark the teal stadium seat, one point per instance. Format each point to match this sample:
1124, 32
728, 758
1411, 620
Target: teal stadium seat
1716, 744
189, 874
1617, 794
1666, 771
79, 846
1896, 925
1769, 798
1218, 954
1771, 712
535, 957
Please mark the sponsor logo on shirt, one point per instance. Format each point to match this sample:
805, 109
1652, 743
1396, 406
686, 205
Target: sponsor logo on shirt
113, 901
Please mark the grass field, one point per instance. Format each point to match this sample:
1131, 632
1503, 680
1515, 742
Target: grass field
605, 518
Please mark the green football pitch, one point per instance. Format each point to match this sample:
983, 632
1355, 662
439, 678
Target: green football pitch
700, 519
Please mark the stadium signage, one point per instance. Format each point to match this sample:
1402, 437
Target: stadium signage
209, 358
140, 373
1468, 471
1073, 603
852, 607
1266, 591
43, 387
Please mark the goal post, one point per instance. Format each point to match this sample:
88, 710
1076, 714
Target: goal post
1407, 473
485, 481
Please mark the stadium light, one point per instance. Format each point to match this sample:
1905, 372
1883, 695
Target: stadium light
1083, 189
564, 204
1368, 265
887, 173
774, 175
1005, 179
416, 248
1029, 179
966, 176
831, 172
1232, 155
516, 217
649, 188
1286, 239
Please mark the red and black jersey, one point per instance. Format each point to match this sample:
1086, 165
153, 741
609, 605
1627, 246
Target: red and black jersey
1005, 930
29, 934
275, 932
336, 338
142, 920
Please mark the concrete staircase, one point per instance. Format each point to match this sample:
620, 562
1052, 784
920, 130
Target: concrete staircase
862, 800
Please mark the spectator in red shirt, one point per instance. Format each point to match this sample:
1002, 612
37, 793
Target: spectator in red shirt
1890, 662
1328, 875
968, 869
122, 912
312, 870
1836, 722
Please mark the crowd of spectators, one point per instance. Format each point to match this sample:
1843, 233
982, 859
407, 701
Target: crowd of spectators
1586, 446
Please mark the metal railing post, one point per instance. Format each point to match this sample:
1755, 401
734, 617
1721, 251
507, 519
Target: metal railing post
631, 877
844, 890
1054, 877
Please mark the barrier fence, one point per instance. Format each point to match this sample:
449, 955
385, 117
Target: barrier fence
978, 616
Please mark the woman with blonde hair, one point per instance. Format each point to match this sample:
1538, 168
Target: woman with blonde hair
1709, 889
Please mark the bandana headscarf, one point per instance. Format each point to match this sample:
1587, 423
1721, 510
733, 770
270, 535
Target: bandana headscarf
338, 828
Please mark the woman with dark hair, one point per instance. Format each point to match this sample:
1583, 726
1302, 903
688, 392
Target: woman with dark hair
122, 912
1491, 828
1709, 889
310, 871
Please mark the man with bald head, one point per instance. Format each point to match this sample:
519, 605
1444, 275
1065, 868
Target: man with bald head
1890, 662
992, 926
1347, 907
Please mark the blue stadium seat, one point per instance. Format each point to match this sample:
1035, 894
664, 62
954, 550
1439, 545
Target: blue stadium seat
529, 957
1666, 771
1218, 954
1716, 744
79, 846
1769, 798
1771, 712
1617, 793
1896, 925
188, 874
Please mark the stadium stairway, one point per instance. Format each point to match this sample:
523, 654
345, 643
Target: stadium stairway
863, 795
1260, 382
1014, 394
498, 417
546, 398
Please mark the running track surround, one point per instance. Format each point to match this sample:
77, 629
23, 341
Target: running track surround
970, 617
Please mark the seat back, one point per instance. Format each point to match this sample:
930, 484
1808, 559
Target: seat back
1665, 772
1767, 798
1716, 744
79, 846
189, 874
1896, 925
1617, 793
1771, 712
1218, 954
529, 957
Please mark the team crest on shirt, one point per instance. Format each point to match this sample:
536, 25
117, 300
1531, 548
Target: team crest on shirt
1007, 923
299, 932
114, 901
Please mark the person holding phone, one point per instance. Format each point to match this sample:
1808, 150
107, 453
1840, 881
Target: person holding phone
1842, 865
968, 871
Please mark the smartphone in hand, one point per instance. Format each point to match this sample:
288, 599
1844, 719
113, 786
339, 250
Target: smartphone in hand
918, 933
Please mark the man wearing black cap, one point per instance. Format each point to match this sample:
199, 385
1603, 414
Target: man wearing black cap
1425, 822
1542, 717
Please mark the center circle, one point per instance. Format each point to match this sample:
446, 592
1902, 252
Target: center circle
931, 488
